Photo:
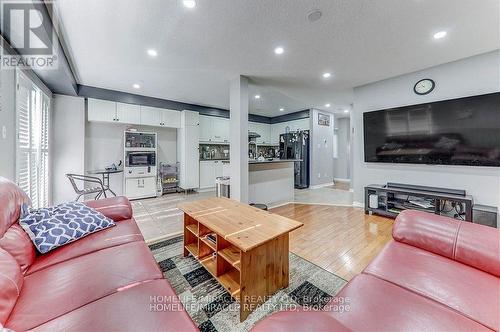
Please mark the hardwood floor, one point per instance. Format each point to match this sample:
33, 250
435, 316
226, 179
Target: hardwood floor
342, 240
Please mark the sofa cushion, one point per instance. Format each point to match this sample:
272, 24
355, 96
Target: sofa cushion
125, 231
377, 305
479, 246
116, 208
59, 289
11, 281
131, 309
467, 290
17, 243
475, 245
426, 231
50, 228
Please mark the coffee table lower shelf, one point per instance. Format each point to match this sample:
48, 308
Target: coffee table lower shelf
250, 277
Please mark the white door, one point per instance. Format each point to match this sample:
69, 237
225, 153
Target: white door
101, 110
150, 116
128, 113
170, 118
205, 128
207, 174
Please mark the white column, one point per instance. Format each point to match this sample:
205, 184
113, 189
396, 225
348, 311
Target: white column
238, 105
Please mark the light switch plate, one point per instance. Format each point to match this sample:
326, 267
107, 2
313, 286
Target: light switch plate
4, 132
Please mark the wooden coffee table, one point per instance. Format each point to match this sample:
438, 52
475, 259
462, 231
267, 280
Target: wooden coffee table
249, 253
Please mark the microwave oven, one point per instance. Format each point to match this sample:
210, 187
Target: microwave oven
140, 159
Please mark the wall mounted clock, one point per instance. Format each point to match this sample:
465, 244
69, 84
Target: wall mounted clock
424, 86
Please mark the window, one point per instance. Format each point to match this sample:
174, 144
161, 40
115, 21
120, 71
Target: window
32, 150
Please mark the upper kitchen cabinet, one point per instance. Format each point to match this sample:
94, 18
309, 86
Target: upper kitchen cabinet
214, 129
160, 117
128, 113
101, 110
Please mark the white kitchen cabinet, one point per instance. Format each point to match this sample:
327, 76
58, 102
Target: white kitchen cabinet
101, 110
205, 128
140, 187
300, 124
214, 129
210, 170
226, 168
188, 150
128, 113
264, 130
150, 116
207, 174
160, 117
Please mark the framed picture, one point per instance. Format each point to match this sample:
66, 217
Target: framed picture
323, 119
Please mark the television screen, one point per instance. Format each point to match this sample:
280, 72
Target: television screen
464, 131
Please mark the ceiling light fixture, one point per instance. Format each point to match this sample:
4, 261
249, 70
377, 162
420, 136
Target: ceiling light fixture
327, 105
279, 50
189, 3
282, 109
257, 96
346, 111
136, 86
440, 34
327, 75
152, 52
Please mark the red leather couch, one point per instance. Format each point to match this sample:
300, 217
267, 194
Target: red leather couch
107, 281
437, 274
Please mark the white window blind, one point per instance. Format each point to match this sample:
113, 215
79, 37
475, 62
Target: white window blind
32, 153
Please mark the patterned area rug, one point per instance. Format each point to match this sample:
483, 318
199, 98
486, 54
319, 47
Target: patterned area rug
212, 308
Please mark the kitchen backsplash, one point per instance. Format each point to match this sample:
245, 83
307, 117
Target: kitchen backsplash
214, 151
221, 151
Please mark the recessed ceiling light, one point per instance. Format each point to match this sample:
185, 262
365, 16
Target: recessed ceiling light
136, 86
279, 50
440, 34
189, 3
327, 105
257, 96
346, 111
152, 52
282, 109
327, 75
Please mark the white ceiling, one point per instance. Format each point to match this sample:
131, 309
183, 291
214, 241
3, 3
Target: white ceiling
200, 50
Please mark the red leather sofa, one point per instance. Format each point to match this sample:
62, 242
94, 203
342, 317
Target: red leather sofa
107, 281
437, 274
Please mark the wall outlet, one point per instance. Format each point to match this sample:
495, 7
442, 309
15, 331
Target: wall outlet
319, 175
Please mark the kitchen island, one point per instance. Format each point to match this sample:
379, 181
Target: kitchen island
271, 182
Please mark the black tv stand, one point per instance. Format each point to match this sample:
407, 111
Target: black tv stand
394, 198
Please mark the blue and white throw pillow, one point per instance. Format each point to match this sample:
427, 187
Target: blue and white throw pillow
50, 228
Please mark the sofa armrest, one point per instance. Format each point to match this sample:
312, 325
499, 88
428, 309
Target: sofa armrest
115, 208
471, 244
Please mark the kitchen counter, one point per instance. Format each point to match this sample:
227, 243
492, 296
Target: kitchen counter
271, 182
273, 161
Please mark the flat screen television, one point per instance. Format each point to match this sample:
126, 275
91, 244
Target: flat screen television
464, 131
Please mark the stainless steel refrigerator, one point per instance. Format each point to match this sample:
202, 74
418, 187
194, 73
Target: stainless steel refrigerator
295, 145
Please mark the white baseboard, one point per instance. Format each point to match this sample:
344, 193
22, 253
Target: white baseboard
322, 185
358, 204
342, 180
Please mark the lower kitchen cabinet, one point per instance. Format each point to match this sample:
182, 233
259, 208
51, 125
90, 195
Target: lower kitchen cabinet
210, 170
140, 187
